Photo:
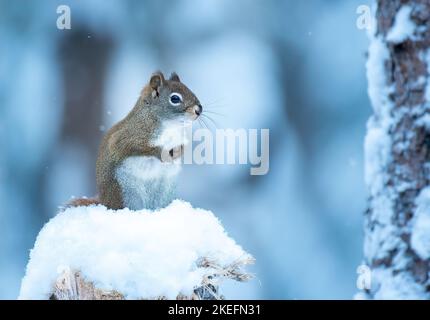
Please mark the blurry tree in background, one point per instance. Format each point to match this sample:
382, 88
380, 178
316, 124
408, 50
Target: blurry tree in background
83, 62
397, 230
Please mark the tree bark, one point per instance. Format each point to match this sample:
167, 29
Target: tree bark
397, 150
73, 285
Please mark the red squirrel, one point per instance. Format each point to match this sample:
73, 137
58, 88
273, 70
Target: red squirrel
130, 170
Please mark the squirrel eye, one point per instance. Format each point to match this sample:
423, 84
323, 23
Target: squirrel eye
175, 99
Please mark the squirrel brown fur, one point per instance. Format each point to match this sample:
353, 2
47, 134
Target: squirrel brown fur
131, 170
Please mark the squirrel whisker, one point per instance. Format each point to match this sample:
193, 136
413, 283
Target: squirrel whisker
204, 122
215, 124
216, 113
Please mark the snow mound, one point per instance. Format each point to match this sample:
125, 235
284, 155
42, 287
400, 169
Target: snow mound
420, 238
140, 254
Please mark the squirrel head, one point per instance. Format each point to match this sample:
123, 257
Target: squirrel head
170, 98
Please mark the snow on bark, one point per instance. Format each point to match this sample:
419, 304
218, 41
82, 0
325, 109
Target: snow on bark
420, 240
403, 27
397, 152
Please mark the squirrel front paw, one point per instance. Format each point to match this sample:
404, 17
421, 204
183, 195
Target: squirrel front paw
175, 153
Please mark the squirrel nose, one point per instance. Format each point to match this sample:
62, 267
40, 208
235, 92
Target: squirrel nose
198, 109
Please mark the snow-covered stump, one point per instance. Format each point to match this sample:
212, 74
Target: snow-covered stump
178, 252
397, 148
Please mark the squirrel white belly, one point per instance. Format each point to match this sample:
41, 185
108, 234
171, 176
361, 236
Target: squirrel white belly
146, 182
131, 168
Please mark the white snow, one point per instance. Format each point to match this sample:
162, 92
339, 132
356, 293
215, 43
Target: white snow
141, 254
396, 286
380, 241
375, 72
403, 27
377, 143
377, 153
420, 238
427, 92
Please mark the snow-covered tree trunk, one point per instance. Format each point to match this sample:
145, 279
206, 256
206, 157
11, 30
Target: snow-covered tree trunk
397, 148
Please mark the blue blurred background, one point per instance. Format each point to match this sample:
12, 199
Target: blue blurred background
295, 67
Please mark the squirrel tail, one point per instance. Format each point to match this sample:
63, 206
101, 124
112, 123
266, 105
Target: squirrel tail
82, 202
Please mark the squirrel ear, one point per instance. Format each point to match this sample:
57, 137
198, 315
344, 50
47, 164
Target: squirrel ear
157, 80
174, 77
